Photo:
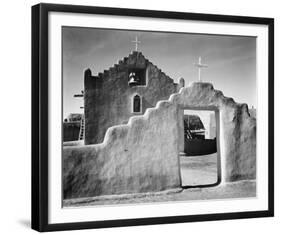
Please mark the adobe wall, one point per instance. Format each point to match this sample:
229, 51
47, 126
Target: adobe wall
108, 97
142, 156
237, 136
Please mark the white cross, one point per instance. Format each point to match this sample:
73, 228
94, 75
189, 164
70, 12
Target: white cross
200, 66
136, 41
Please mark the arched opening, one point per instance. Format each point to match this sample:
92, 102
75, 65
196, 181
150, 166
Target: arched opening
136, 104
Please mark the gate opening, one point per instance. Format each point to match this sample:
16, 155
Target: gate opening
199, 152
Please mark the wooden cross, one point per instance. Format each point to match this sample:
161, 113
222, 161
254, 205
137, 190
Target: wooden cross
79, 96
136, 42
199, 65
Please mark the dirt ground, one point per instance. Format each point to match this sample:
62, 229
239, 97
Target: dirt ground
200, 170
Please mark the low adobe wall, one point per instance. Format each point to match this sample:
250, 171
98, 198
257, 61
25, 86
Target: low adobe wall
71, 131
142, 156
197, 147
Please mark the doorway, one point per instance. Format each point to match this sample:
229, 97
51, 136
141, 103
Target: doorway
200, 154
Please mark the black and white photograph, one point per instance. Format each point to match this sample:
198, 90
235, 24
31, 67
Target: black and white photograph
145, 117
157, 117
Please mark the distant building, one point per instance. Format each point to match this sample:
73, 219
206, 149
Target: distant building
209, 121
199, 133
74, 117
193, 127
72, 127
203, 122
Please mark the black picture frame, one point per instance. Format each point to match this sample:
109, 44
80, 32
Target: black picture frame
40, 115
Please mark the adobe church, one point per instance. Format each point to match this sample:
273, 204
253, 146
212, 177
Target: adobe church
127, 89
134, 112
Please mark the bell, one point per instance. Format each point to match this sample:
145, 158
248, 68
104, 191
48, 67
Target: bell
132, 79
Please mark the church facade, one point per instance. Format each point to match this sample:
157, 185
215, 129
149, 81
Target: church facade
124, 90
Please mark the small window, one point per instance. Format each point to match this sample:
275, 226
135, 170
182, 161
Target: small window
136, 104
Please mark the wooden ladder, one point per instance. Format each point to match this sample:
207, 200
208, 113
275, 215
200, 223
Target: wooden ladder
82, 128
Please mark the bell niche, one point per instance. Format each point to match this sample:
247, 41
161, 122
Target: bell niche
136, 77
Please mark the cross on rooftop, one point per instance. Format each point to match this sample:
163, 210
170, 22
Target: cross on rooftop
136, 42
199, 65
79, 96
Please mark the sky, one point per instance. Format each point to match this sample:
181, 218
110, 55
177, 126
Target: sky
231, 60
